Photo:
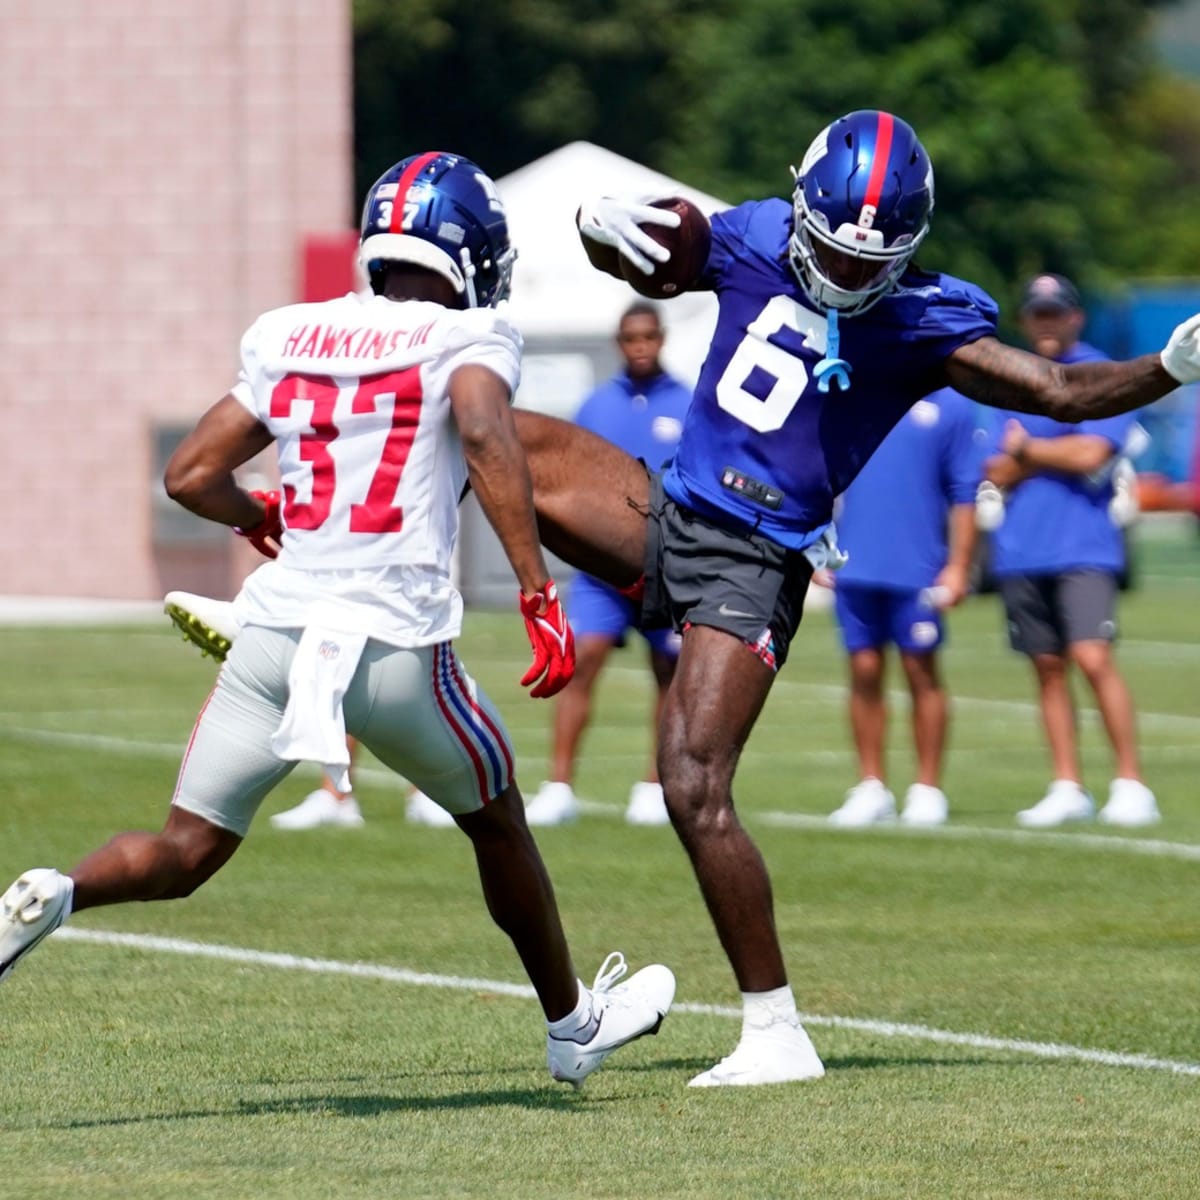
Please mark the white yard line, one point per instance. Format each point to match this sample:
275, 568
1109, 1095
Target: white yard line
402, 975
1116, 843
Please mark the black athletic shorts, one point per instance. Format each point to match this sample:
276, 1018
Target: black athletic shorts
698, 573
1048, 613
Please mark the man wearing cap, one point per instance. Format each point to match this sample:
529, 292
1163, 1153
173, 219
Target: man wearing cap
1057, 554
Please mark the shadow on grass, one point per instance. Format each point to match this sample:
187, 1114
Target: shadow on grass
534, 1099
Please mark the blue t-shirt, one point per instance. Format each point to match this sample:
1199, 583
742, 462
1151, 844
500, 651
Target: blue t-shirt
1056, 522
893, 517
642, 416
762, 447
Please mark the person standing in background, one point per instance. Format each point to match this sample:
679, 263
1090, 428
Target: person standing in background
908, 525
1057, 555
641, 409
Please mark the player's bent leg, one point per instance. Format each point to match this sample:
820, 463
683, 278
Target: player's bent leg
154, 866
591, 498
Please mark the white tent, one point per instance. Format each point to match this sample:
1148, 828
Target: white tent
565, 308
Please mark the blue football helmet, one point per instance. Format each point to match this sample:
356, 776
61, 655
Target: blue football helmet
861, 207
441, 212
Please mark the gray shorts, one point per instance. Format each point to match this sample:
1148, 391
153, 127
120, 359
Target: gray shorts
699, 573
416, 710
1048, 613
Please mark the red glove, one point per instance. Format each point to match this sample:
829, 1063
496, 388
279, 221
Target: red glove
552, 641
266, 536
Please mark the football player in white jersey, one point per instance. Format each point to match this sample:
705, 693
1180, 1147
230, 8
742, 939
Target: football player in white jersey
383, 407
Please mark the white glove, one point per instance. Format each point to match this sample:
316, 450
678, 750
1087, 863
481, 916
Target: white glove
614, 222
825, 554
1181, 358
989, 507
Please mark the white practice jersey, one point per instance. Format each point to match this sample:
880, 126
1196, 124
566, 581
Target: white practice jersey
355, 393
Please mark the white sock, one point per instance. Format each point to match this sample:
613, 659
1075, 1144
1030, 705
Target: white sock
580, 1024
761, 1009
70, 896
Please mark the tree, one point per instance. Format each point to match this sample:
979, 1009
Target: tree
1058, 142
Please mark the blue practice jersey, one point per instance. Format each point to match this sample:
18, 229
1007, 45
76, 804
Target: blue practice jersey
642, 416
762, 447
1055, 522
893, 518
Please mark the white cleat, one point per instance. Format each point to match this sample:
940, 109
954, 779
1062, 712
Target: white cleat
867, 803
925, 806
320, 808
1064, 801
32, 909
554, 804
646, 805
203, 621
420, 809
1130, 803
780, 1052
622, 1012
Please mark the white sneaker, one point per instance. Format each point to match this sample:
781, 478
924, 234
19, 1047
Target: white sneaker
421, 809
866, 803
1130, 802
777, 1053
1064, 801
646, 805
925, 805
554, 804
320, 808
623, 1013
204, 622
33, 908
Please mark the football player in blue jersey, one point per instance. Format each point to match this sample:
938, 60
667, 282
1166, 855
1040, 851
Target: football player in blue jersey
827, 333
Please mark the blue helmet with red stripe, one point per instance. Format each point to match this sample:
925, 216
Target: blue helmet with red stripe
861, 207
441, 212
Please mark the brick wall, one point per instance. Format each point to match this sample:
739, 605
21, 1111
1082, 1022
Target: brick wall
160, 164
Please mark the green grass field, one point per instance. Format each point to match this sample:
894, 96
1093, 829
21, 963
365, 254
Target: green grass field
1003, 1014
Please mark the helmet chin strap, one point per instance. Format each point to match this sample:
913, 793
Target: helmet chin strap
468, 269
831, 369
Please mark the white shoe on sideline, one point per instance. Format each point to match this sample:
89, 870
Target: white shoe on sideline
868, 802
622, 1012
420, 809
32, 909
1130, 803
203, 621
1064, 801
646, 805
554, 804
780, 1052
925, 805
320, 808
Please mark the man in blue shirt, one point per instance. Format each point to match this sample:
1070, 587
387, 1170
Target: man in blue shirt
908, 524
1057, 556
641, 409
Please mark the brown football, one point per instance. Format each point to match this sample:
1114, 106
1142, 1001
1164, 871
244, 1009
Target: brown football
689, 244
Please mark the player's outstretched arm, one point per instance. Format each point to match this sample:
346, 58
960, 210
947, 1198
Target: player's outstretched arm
199, 475
1005, 377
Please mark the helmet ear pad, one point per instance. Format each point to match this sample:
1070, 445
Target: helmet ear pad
864, 191
440, 212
